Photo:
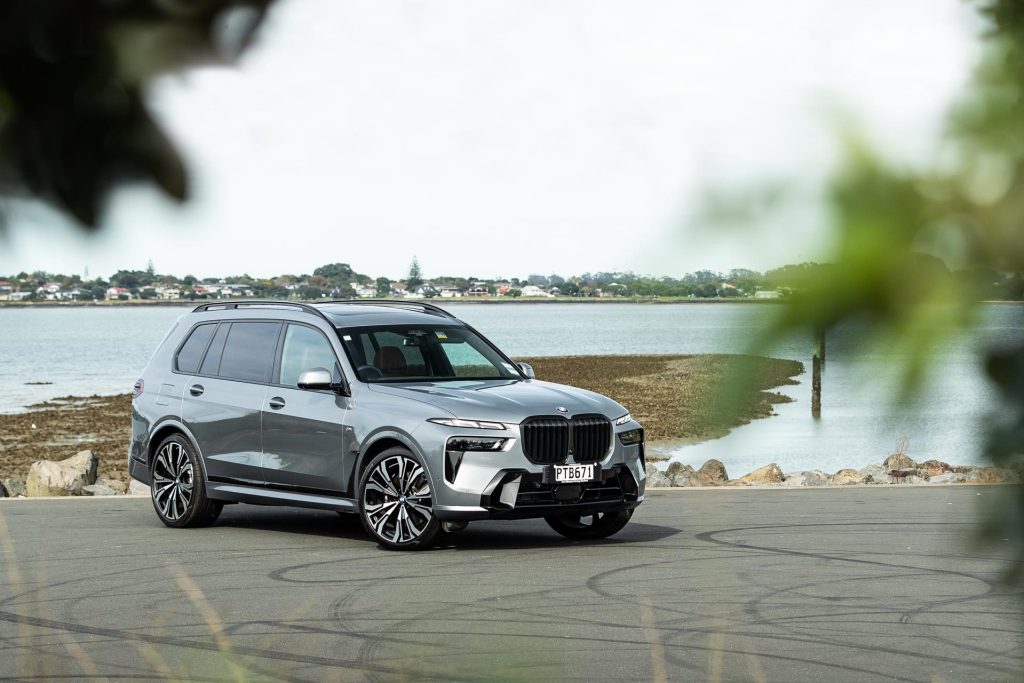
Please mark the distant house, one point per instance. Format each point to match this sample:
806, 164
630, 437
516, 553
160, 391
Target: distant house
534, 290
421, 292
50, 291
234, 290
767, 294
117, 292
168, 292
363, 291
478, 290
450, 293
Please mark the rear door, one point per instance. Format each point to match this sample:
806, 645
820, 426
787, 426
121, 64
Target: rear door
305, 446
222, 400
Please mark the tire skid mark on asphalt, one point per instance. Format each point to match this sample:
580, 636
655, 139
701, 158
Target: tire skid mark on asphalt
991, 586
753, 606
593, 583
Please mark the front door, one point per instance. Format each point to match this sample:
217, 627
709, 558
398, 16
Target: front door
305, 446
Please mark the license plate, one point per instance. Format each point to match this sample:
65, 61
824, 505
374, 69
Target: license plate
573, 474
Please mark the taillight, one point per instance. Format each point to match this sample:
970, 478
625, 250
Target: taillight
137, 389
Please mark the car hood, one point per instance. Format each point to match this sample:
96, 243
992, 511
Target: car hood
504, 400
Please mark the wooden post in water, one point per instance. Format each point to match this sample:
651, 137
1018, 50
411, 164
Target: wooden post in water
817, 363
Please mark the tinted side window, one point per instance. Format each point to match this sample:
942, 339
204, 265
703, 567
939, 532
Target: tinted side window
191, 353
249, 351
305, 349
211, 364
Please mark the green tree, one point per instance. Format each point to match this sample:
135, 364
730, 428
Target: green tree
383, 287
415, 277
335, 274
308, 292
74, 120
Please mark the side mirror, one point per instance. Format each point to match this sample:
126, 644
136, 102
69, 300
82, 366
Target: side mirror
527, 370
318, 378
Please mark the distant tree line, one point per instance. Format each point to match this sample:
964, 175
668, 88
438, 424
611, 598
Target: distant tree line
340, 281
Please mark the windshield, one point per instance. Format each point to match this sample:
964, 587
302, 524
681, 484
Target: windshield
422, 353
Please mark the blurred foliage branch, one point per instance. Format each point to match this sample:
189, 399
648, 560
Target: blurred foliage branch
898, 234
73, 116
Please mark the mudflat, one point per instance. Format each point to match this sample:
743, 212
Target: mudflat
675, 397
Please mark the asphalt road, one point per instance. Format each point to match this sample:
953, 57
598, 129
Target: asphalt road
841, 584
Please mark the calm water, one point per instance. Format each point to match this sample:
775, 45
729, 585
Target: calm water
82, 351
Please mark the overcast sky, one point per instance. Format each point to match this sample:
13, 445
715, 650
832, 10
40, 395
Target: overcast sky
501, 138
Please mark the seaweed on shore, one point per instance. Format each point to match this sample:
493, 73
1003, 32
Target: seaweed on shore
674, 397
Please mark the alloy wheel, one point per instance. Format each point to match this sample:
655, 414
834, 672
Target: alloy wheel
397, 501
173, 480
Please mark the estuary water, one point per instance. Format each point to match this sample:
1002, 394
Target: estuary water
51, 352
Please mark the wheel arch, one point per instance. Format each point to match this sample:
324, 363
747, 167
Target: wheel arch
377, 445
166, 429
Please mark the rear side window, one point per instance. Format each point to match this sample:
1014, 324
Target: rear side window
211, 364
249, 351
191, 352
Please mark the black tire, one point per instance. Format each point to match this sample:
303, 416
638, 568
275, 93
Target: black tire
178, 486
396, 501
600, 525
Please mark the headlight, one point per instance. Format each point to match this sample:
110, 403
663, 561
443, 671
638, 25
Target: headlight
470, 443
466, 424
624, 419
631, 437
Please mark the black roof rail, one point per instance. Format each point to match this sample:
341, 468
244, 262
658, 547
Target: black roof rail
266, 304
412, 305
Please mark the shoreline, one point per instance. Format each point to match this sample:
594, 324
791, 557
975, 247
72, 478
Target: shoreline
669, 394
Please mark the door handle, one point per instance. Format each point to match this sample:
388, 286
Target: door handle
277, 403
196, 390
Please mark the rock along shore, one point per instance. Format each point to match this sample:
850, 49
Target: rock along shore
898, 468
76, 476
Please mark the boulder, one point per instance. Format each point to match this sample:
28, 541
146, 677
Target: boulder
658, 480
769, 474
846, 477
682, 475
116, 485
806, 478
991, 475
899, 461
137, 488
949, 478
13, 488
63, 478
98, 490
876, 474
934, 468
712, 473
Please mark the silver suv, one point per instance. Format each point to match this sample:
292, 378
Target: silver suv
396, 411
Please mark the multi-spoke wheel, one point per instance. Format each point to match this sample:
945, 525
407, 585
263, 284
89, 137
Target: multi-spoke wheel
597, 525
178, 492
396, 503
